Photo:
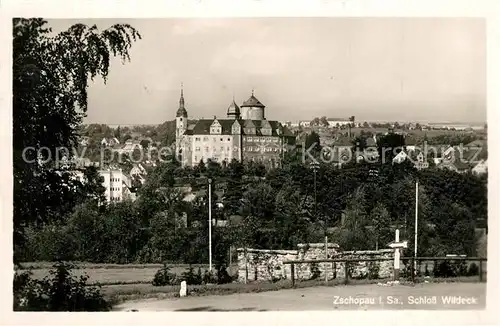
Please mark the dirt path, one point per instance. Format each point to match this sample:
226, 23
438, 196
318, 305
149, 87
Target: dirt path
365, 297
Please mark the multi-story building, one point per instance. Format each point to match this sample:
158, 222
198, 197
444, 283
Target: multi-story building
117, 185
245, 135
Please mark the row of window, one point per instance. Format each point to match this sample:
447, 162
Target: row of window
249, 139
262, 139
115, 179
228, 149
114, 198
115, 189
206, 138
214, 159
258, 149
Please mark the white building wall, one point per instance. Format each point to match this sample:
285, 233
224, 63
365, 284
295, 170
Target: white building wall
113, 184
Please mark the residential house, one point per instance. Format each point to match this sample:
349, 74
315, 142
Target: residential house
84, 141
109, 141
117, 185
480, 168
400, 157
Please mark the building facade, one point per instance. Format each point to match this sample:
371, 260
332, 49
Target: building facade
244, 135
117, 185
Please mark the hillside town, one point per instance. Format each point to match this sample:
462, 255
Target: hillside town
226, 197
195, 141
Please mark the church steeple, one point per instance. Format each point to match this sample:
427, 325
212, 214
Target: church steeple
181, 112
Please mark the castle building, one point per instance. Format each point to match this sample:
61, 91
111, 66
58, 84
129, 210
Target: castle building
244, 134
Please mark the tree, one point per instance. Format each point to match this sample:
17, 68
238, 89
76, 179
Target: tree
313, 140
354, 234
323, 121
145, 143
258, 201
381, 224
359, 144
389, 146
50, 80
117, 133
126, 137
366, 125
234, 193
92, 189
315, 122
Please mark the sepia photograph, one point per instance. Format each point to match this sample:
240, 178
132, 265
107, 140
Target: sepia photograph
249, 164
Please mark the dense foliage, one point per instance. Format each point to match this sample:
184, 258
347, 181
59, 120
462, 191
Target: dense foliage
50, 78
60, 291
355, 208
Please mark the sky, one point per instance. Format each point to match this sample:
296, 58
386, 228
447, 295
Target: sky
377, 69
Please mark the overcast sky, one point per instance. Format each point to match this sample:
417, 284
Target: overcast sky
411, 69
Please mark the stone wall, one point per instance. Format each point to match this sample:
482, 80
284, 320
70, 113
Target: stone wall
267, 265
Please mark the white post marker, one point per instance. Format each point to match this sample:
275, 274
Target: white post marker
396, 245
183, 291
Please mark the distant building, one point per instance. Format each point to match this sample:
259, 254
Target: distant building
117, 185
400, 157
245, 135
110, 141
480, 168
337, 122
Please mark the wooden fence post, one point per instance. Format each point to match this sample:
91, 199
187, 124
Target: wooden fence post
412, 261
292, 269
480, 270
346, 269
246, 264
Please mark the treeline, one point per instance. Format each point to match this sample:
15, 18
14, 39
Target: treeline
358, 207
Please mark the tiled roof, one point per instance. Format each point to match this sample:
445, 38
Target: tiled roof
252, 101
202, 127
233, 109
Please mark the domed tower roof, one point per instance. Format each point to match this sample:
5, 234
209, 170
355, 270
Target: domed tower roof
252, 102
233, 111
181, 111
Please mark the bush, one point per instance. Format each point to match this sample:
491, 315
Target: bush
164, 277
209, 278
191, 278
315, 272
473, 270
373, 270
450, 269
223, 276
60, 291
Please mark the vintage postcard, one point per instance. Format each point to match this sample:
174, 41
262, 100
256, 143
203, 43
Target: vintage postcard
250, 163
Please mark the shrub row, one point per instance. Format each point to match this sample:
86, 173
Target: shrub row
164, 277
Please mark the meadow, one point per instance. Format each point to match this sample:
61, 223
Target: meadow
114, 274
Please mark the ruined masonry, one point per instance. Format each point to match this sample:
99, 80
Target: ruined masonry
267, 265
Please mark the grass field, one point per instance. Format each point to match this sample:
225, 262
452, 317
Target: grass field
113, 274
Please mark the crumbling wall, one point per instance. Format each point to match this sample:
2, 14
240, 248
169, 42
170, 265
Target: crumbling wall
267, 265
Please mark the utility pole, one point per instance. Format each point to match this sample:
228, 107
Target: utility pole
420, 164
210, 224
416, 224
315, 166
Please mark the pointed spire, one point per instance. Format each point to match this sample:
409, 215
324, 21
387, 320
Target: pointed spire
181, 100
181, 112
252, 91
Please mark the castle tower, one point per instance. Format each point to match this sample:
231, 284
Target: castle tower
252, 109
233, 111
181, 120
